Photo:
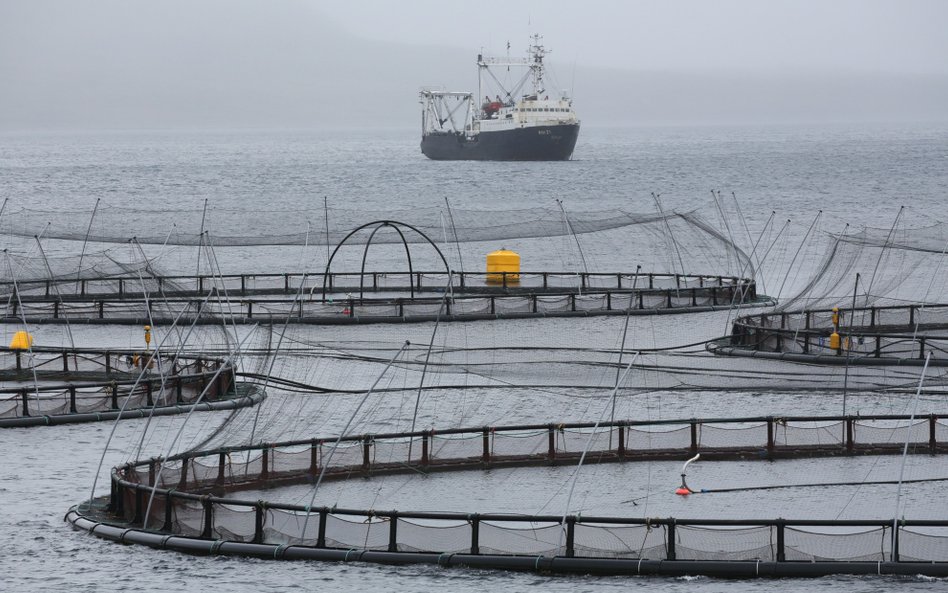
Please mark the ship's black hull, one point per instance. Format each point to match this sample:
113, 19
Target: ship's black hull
536, 143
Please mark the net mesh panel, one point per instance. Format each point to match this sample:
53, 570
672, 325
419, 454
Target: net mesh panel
810, 433
188, 518
621, 541
668, 438
732, 436
9, 405
891, 432
348, 532
896, 265
460, 447
698, 543
579, 440
286, 527
923, 544
291, 459
233, 524
525, 443
116, 224
444, 537
872, 545
529, 538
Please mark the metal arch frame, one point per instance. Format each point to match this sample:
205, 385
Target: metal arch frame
379, 224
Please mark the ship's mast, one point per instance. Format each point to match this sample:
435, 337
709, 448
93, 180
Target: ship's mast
536, 53
534, 62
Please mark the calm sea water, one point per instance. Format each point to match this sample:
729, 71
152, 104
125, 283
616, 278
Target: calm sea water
859, 175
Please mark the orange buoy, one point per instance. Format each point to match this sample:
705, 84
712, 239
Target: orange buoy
682, 491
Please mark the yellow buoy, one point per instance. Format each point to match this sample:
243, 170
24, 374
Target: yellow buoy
834, 341
503, 266
21, 341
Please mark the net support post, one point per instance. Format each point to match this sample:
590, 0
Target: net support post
621, 446
208, 517
425, 440
321, 533
895, 542
393, 532
670, 541
694, 438
850, 436
72, 399
169, 511
265, 463
570, 536
314, 458
366, 452
475, 533
258, 518
113, 495
183, 482
781, 540
485, 440
932, 434
551, 441
221, 464
139, 505
118, 502
771, 445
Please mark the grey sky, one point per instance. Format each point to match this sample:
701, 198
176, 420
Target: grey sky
306, 63
694, 35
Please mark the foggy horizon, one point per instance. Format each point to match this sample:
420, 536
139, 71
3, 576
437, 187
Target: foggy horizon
113, 65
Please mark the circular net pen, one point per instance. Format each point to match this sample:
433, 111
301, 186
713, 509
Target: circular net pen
48, 386
391, 294
192, 502
903, 335
378, 297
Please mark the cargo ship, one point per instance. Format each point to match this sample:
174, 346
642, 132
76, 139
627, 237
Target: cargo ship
517, 124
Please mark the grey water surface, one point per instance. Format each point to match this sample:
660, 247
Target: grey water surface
855, 174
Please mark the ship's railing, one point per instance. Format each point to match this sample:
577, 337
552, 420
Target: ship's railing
902, 331
179, 492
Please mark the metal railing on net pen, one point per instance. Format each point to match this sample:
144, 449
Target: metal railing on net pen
183, 502
900, 332
372, 281
51, 382
345, 308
